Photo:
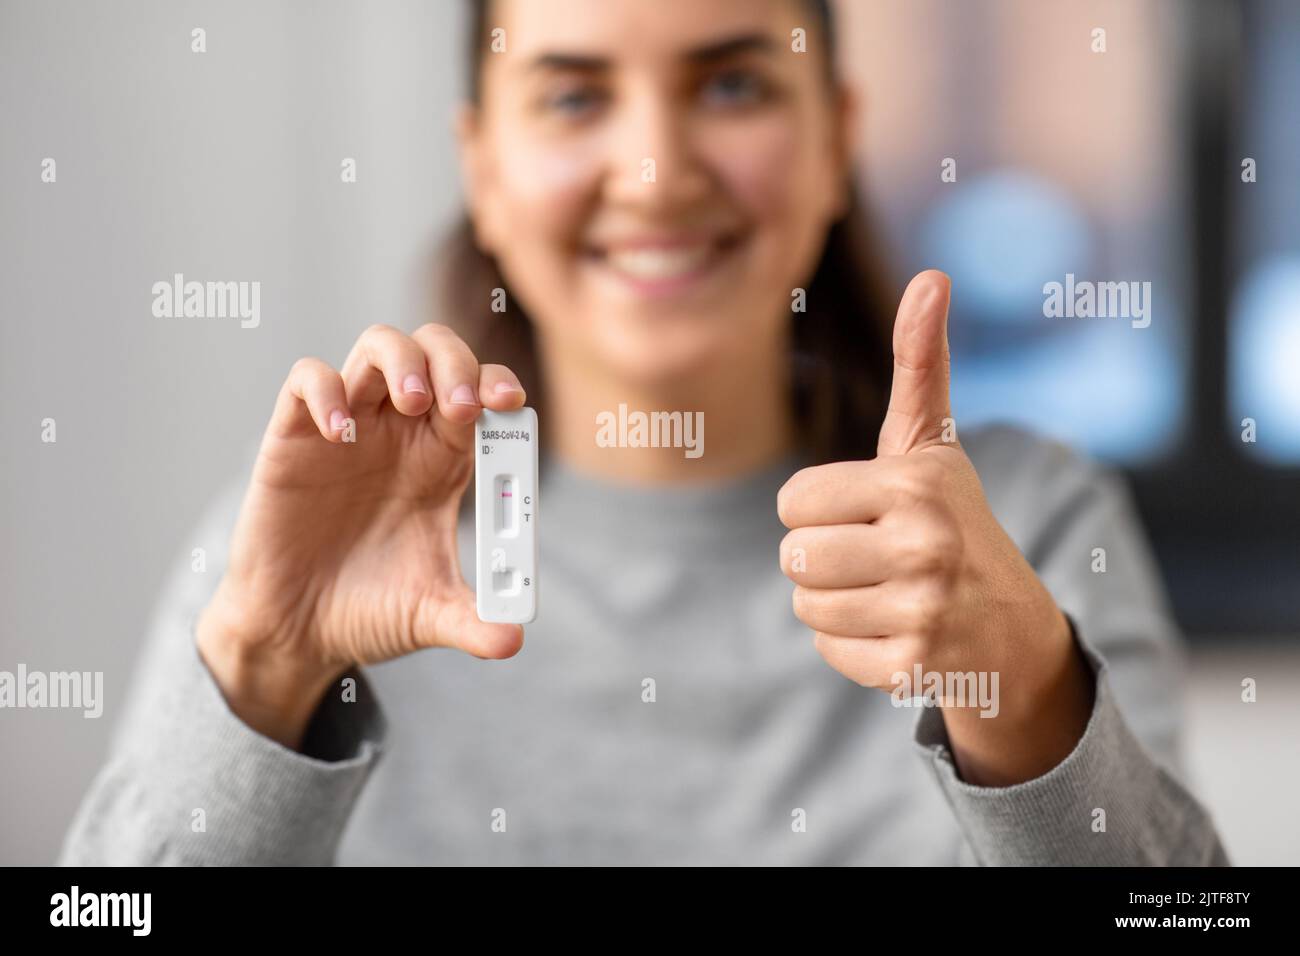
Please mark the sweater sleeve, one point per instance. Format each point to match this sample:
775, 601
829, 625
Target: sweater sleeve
187, 782
1118, 797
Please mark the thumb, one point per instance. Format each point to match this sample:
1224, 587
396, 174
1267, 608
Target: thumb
452, 620
918, 401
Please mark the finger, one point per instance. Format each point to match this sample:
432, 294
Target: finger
918, 400
499, 388
455, 372
836, 556
872, 663
312, 397
842, 492
453, 622
871, 611
386, 363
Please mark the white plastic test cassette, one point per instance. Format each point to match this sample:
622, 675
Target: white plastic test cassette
505, 515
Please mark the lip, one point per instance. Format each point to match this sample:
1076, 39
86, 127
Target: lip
662, 265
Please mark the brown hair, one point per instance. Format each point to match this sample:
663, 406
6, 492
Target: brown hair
841, 354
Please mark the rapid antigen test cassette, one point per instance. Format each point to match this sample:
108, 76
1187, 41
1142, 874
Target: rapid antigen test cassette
505, 515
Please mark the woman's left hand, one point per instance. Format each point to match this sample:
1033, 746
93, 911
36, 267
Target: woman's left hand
899, 562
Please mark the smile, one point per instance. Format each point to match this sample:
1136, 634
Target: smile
663, 266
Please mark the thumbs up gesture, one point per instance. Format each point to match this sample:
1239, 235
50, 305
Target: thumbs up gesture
899, 562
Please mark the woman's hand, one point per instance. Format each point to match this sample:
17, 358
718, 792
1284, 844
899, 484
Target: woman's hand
345, 549
899, 562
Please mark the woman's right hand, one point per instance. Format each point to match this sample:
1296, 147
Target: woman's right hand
345, 551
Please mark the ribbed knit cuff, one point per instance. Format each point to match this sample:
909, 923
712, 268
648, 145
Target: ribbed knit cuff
1054, 820
262, 803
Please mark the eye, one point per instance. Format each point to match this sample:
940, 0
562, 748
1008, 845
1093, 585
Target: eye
574, 100
734, 87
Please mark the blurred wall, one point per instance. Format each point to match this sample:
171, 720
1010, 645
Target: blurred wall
222, 166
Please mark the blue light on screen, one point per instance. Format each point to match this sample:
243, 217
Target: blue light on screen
1264, 360
1001, 234
1095, 383
1120, 404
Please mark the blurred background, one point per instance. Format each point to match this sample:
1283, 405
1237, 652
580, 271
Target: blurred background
1122, 165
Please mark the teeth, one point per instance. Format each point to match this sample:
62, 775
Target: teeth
658, 263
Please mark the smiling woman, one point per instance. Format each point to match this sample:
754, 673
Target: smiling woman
749, 201
654, 190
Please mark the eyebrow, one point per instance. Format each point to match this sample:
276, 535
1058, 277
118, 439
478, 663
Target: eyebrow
709, 53
745, 43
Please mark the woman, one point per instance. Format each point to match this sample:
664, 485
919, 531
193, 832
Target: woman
654, 191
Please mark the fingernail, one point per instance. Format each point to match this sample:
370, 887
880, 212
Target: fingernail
337, 418
922, 295
506, 387
929, 292
463, 395
413, 385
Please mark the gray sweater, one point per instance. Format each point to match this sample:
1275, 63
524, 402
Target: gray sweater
752, 751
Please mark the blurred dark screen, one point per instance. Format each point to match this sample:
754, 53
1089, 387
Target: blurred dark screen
1014, 146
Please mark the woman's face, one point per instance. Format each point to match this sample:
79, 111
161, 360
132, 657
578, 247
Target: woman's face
655, 178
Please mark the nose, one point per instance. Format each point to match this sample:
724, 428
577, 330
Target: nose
654, 168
